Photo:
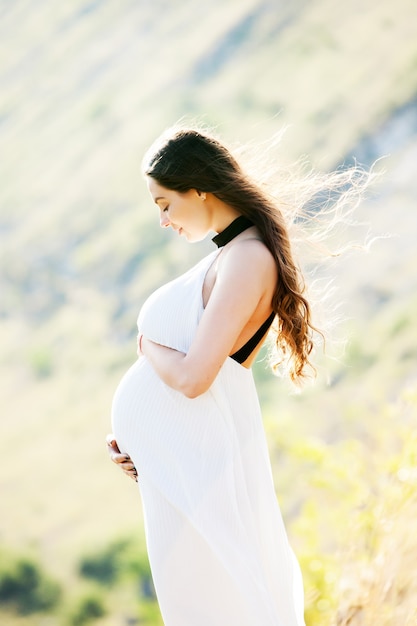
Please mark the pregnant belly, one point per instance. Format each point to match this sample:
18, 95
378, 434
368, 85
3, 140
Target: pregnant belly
133, 403
169, 437
150, 420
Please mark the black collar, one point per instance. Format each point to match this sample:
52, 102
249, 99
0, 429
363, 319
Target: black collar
236, 227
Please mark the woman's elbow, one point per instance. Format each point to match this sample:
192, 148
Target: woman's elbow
193, 388
193, 382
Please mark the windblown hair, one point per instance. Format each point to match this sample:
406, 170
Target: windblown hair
187, 159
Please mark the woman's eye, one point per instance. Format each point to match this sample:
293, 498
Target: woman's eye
165, 210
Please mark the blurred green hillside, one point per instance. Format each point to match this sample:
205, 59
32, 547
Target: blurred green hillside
84, 88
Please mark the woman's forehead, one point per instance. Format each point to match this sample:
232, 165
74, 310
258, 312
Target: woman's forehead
155, 189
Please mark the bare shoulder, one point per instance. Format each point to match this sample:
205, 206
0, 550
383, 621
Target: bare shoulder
249, 255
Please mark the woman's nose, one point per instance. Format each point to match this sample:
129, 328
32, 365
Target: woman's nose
163, 220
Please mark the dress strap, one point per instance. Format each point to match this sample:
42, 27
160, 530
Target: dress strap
234, 229
246, 350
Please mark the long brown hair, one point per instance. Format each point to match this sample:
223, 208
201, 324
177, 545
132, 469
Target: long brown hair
185, 159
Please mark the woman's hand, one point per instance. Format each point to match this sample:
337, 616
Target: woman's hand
122, 460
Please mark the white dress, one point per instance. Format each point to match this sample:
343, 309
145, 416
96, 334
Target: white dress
217, 546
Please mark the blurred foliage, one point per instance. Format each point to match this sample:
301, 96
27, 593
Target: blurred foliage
354, 532
89, 608
117, 560
40, 360
123, 567
24, 586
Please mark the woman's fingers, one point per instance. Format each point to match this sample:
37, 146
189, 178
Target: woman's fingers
112, 443
121, 459
129, 468
132, 473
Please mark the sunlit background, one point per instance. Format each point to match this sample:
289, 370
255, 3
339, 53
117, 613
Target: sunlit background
84, 88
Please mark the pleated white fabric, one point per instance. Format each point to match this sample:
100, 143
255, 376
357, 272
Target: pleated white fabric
217, 545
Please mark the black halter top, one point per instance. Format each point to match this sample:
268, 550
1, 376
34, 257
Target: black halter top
238, 225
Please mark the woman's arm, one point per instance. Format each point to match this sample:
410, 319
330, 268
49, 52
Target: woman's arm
246, 276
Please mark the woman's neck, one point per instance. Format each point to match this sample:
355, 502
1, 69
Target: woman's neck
222, 214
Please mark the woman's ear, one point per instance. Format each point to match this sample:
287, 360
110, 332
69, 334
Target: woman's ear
201, 194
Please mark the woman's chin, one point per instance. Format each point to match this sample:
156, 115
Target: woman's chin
192, 237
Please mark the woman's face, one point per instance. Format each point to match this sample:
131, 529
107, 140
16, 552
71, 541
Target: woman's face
186, 213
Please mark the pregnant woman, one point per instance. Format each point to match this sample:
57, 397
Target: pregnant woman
186, 419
